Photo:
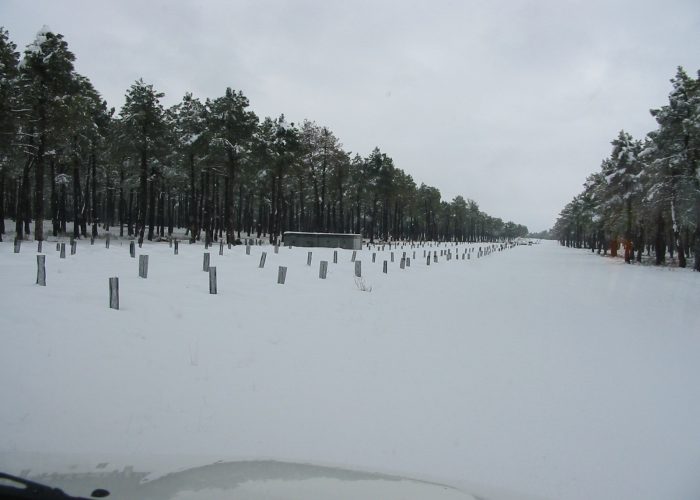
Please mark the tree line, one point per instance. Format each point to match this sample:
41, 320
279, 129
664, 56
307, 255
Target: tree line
646, 196
212, 167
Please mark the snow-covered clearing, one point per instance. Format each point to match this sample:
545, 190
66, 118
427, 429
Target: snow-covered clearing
541, 370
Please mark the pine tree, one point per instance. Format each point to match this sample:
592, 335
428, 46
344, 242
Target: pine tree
47, 83
87, 119
676, 156
144, 126
621, 172
188, 119
231, 126
285, 154
9, 73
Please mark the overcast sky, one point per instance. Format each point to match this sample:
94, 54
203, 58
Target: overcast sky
510, 103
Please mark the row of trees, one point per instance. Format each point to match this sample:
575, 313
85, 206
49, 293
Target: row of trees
646, 196
212, 167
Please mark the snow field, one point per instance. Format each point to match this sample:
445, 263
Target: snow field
540, 370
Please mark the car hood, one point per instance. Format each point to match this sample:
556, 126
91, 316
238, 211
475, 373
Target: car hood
241, 480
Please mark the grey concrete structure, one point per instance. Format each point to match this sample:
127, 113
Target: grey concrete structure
329, 240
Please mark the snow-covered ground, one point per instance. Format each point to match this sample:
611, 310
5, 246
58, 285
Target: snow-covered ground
540, 370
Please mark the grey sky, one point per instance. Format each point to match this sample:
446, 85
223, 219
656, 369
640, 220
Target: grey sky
510, 103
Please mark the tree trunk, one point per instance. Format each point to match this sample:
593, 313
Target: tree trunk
273, 210
323, 193
341, 210
122, 202
206, 214
239, 214
2, 202
640, 243
200, 205
677, 240
171, 214
357, 209
193, 202
18, 210
228, 215
659, 241
249, 213
279, 216
130, 217
152, 207
23, 201
142, 197
55, 226
317, 206
680, 247
227, 202
87, 202
108, 211
93, 191
39, 177
39, 193
301, 203
373, 224
161, 214
77, 195
696, 266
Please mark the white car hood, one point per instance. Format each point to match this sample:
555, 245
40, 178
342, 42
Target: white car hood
248, 480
